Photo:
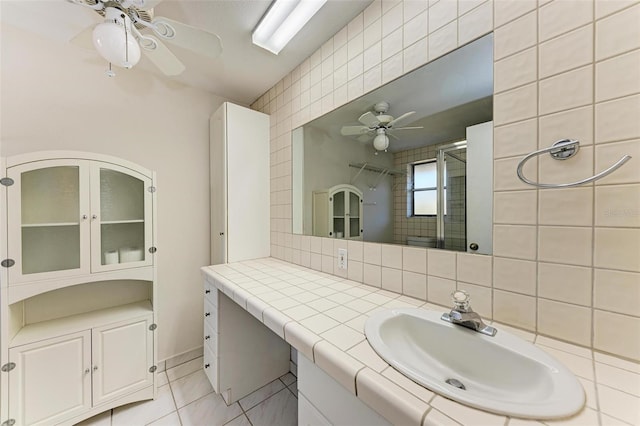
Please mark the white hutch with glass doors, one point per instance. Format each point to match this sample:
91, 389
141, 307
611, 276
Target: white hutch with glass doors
337, 212
78, 292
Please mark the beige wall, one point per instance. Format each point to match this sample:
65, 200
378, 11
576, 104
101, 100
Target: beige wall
56, 97
566, 262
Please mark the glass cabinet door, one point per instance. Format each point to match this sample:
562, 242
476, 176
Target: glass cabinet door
48, 231
354, 215
121, 218
339, 214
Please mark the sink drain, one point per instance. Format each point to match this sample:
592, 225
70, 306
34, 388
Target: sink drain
456, 383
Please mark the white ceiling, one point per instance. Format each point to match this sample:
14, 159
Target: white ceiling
242, 73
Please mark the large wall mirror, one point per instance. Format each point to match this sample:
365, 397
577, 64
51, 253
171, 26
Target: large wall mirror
408, 163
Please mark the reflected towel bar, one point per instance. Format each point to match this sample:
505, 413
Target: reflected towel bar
562, 150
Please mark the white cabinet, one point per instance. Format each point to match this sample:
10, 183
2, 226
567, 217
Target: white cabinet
77, 286
337, 212
57, 379
240, 184
122, 356
51, 381
70, 217
240, 353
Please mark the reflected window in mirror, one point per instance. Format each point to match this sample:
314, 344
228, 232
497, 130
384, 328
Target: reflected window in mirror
423, 194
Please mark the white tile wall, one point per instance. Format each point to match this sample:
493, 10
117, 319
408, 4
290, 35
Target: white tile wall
563, 69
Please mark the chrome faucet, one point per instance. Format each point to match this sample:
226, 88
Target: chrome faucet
463, 315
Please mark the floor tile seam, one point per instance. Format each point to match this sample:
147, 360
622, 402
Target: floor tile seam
166, 415
197, 399
239, 415
266, 399
263, 400
177, 378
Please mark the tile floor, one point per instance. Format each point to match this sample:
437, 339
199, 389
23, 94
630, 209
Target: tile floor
185, 397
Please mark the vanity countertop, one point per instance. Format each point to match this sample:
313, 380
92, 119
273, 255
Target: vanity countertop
323, 317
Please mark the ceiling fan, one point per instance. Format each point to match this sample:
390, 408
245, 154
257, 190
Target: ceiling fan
379, 124
120, 39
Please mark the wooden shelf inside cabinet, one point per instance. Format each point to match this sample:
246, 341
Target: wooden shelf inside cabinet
74, 323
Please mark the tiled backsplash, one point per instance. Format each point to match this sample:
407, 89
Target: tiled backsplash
566, 262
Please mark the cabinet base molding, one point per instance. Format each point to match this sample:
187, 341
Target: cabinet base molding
141, 395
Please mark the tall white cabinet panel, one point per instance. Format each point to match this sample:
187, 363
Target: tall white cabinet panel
51, 381
240, 185
480, 187
122, 355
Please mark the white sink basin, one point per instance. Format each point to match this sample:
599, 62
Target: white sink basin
502, 374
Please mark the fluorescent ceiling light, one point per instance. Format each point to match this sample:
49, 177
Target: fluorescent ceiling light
282, 21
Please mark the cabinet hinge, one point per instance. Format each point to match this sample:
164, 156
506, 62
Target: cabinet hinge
153, 327
152, 369
153, 250
7, 181
8, 367
9, 422
151, 189
8, 263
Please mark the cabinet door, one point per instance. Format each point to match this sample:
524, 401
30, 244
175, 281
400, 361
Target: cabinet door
355, 216
338, 206
51, 380
121, 213
122, 355
48, 230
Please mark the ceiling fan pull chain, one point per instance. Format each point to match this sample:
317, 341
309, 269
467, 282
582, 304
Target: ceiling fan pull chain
127, 64
110, 72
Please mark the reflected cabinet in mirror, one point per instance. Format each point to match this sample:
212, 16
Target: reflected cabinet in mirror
413, 158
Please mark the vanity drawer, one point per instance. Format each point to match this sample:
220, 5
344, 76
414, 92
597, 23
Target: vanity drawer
211, 367
211, 293
210, 338
210, 315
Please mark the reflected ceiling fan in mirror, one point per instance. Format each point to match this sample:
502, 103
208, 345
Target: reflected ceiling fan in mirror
120, 39
378, 125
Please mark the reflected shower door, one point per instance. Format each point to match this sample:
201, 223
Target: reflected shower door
452, 218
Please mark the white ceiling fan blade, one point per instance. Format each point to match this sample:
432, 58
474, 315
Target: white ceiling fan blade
84, 39
144, 4
161, 56
399, 119
354, 130
392, 135
188, 37
408, 128
369, 119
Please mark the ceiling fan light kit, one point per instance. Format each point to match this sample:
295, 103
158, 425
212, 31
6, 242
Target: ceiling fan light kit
283, 20
381, 141
114, 40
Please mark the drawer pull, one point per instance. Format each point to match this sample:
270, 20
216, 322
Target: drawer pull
206, 366
207, 337
206, 314
207, 291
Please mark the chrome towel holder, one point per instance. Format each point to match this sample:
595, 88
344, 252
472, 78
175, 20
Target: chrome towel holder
563, 150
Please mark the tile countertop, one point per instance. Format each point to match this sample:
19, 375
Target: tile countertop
323, 317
